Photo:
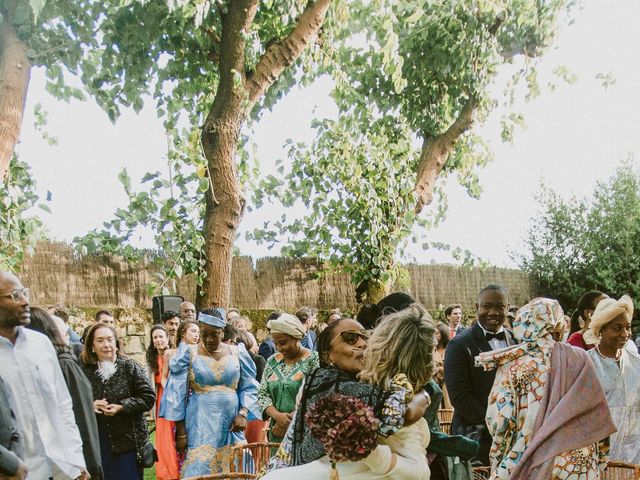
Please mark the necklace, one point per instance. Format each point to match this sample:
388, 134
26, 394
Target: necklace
217, 350
616, 358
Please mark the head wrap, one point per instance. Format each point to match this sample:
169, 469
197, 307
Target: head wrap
287, 324
532, 329
607, 310
536, 319
215, 317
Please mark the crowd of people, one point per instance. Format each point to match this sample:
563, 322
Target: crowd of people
535, 394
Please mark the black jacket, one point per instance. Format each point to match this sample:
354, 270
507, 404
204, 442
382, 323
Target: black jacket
82, 399
129, 387
468, 386
10, 446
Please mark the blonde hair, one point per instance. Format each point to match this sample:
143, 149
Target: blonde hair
403, 342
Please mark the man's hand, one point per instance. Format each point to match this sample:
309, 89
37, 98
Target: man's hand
84, 475
21, 473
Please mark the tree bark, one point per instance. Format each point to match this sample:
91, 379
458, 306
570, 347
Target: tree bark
236, 95
15, 70
435, 153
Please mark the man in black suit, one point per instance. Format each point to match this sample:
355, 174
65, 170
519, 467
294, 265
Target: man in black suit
469, 386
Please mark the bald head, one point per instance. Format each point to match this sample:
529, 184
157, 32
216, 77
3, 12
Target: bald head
187, 312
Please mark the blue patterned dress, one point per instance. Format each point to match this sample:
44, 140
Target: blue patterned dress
207, 393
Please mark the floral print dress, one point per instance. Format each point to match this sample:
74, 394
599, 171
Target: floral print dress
281, 382
517, 393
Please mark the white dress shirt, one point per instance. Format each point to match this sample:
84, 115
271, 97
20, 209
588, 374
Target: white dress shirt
494, 343
41, 402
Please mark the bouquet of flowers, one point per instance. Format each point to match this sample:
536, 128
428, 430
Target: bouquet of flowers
346, 427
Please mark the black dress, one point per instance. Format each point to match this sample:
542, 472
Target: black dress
82, 399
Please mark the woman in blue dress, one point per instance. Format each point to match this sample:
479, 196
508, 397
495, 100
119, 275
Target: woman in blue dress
210, 393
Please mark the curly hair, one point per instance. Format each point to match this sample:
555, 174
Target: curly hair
403, 342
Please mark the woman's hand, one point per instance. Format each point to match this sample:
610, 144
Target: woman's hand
239, 423
181, 443
417, 407
100, 405
112, 409
282, 421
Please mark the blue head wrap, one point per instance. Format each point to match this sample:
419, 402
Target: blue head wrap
215, 317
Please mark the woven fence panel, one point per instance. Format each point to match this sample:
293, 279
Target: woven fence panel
56, 274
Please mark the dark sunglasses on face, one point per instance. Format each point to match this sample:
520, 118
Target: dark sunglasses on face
351, 337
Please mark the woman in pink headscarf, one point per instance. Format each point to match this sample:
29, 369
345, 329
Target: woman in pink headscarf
547, 413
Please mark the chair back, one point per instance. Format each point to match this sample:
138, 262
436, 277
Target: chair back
622, 471
445, 415
481, 473
251, 457
223, 476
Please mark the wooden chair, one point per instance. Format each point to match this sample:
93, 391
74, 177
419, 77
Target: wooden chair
445, 415
260, 452
622, 471
445, 427
223, 476
481, 473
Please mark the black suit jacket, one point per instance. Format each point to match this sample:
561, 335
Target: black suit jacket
468, 386
10, 446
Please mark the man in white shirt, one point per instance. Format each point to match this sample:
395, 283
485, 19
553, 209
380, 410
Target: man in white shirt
37, 391
453, 313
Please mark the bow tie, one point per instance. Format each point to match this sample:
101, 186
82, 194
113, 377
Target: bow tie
490, 336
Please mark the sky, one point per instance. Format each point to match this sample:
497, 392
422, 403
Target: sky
575, 136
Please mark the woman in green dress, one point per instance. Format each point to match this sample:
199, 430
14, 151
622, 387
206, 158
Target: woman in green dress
284, 373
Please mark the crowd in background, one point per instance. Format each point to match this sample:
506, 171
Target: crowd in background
534, 393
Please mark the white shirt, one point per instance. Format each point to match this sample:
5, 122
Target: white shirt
494, 343
41, 402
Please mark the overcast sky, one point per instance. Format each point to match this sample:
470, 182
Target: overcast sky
575, 136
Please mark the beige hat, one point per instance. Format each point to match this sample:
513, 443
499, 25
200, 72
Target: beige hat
607, 310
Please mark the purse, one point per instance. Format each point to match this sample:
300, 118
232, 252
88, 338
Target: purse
147, 456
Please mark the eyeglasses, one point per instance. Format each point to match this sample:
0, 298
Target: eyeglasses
351, 337
17, 294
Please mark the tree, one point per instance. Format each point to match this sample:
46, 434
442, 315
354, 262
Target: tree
210, 66
583, 244
407, 97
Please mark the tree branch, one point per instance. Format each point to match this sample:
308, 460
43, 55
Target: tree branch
281, 54
436, 151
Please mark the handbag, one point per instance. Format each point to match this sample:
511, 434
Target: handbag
147, 456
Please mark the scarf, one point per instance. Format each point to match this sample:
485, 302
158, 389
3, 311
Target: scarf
573, 413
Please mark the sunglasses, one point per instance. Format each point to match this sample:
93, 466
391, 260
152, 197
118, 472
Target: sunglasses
17, 294
351, 337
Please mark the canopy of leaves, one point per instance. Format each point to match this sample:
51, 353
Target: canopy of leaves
19, 230
403, 72
586, 244
358, 188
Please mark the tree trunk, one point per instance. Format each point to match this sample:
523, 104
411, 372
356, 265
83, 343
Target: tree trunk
15, 70
436, 151
233, 101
